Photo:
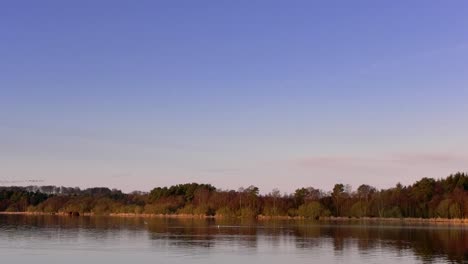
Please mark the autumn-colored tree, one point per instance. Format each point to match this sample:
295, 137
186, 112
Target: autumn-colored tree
446, 198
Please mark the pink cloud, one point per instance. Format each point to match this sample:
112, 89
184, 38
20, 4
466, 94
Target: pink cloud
380, 170
432, 158
331, 161
380, 160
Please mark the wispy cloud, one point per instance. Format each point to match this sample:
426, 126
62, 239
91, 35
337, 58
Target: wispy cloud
121, 175
31, 181
222, 170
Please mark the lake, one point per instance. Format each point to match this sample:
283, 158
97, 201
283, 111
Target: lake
54, 239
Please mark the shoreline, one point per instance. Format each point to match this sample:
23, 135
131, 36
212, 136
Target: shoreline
259, 217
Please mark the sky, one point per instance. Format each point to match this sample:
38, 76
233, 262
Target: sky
276, 94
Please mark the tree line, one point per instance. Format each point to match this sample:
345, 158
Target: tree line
426, 198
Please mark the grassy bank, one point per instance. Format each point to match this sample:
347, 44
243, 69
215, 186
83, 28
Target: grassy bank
264, 218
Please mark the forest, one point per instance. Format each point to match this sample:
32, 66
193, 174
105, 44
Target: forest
426, 198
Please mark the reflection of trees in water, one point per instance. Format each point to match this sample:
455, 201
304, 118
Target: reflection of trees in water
50, 226
427, 242
66, 222
202, 232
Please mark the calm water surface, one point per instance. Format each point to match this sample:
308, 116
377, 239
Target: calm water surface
53, 239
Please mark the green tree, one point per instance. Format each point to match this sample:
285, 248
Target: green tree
338, 197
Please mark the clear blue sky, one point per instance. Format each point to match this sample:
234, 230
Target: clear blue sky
137, 94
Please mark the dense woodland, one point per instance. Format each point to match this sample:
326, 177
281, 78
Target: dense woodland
427, 198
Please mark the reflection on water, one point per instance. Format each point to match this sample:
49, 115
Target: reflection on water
45, 239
